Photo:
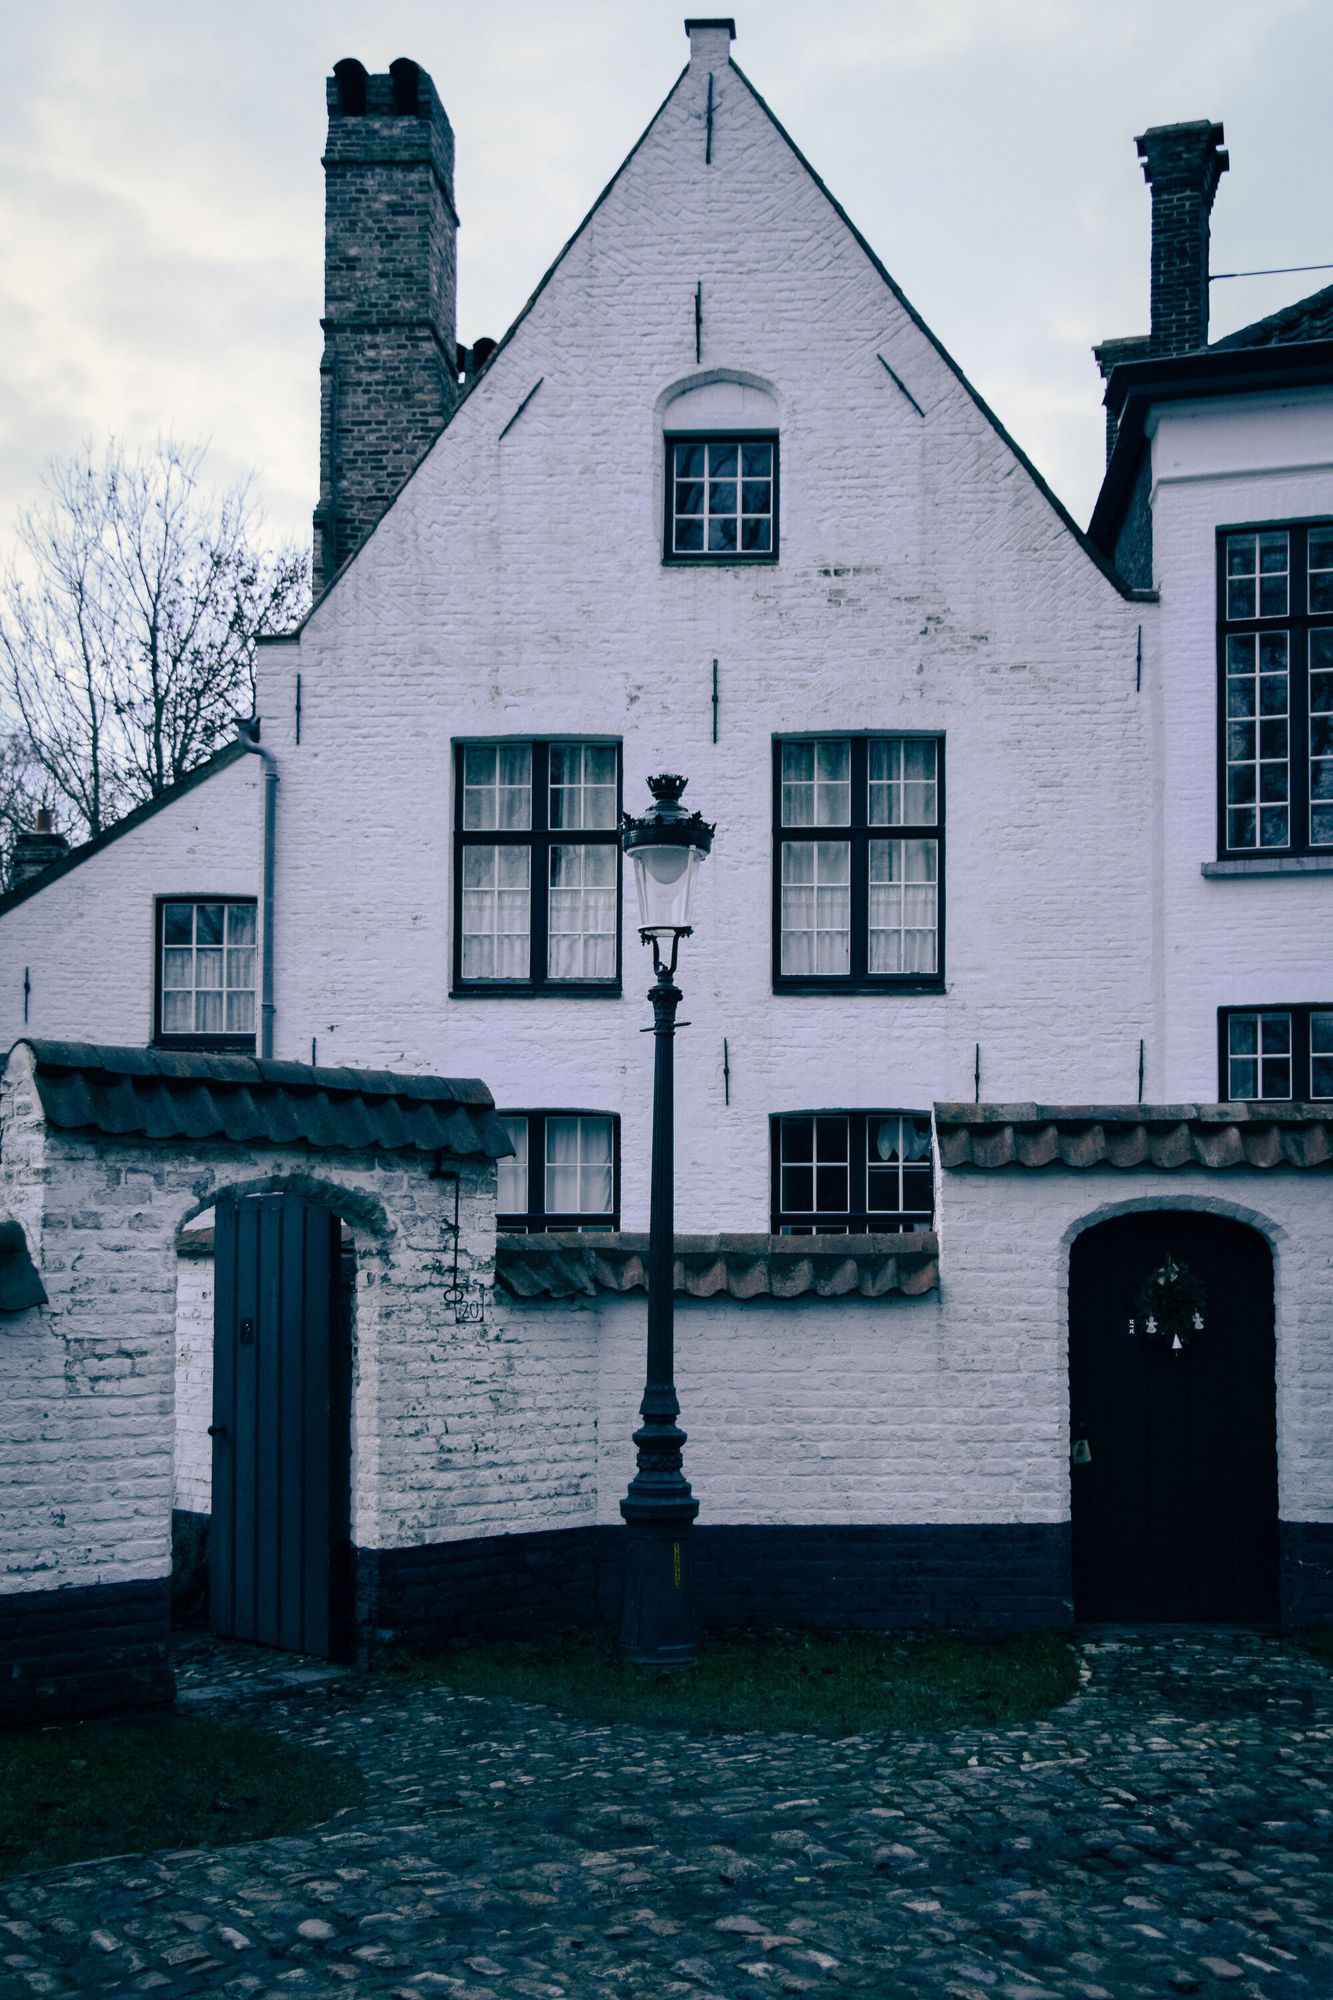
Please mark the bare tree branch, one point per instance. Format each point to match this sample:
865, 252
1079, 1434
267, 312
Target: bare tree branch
128, 623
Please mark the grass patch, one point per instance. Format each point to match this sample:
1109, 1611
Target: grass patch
835, 1684
85, 1789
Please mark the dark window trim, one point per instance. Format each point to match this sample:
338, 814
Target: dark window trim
1300, 1012
535, 1217
217, 1044
540, 838
1299, 623
876, 1224
729, 559
858, 979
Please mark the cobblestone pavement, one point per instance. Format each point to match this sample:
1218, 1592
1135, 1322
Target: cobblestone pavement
1167, 1831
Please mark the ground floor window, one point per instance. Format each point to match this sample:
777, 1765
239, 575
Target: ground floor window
1276, 1053
564, 1172
840, 1173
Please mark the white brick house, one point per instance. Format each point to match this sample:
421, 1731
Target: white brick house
719, 502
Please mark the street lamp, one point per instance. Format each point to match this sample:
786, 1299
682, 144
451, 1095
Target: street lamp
657, 1622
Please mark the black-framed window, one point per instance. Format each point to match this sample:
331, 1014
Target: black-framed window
564, 1172
537, 867
851, 1173
207, 960
858, 862
1275, 665
721, 497
1275, 1053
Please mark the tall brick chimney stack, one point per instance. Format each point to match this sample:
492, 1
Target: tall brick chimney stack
1182, 164
388, 378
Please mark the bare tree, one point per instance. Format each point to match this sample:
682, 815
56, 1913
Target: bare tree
20, 797
128, 623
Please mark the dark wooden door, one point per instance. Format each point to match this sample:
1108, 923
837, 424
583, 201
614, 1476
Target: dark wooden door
1175, 1509
281, 1426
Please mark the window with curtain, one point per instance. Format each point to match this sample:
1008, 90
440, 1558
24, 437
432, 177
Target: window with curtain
722, 498
851, 1173
537, 867
206, 973
1275, 646
858, 851
564, 1172
1276, 1053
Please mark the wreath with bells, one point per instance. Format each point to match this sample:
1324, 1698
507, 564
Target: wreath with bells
1168, 1305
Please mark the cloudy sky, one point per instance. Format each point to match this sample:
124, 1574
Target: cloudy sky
161, 194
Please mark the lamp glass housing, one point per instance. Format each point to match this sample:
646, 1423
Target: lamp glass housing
664, 876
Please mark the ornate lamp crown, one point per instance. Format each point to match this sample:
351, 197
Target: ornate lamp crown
666, 823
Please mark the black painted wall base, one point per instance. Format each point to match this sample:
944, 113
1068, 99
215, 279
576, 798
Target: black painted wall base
994, 1578
1307, 1572
86, 1650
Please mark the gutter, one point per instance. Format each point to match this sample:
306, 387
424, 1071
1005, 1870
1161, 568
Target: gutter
247, 735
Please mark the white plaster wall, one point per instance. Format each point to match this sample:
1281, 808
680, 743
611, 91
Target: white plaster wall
1221, 942
516, 588
87, 938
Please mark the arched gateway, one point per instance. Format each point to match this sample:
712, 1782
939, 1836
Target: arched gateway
1173, 1424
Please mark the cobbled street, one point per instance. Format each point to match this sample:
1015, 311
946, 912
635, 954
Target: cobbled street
1167, 1831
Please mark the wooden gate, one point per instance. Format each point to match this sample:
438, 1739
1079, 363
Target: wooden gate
1174, 1473
278, 1553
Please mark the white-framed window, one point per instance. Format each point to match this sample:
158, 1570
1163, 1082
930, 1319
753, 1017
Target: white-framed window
564, 1172
537, 867
206, 972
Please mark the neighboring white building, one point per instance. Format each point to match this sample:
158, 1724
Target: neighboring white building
719, 502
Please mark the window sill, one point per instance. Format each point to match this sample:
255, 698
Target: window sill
884, 988
720, 562
503, 990
234, 1045
1278, 864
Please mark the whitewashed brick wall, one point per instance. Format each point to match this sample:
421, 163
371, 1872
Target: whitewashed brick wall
87, 939
194, 1383
1269, 938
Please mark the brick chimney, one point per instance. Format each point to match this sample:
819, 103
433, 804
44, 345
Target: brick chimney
1182, 164
36, 850
388, 378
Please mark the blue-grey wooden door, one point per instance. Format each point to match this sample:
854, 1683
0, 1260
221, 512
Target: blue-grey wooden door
281, 1420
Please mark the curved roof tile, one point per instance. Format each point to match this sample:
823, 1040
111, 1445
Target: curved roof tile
564, 1263
1165, 1136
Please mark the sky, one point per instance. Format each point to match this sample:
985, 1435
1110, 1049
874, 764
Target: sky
161, 198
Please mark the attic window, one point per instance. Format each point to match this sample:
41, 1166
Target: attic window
722, 497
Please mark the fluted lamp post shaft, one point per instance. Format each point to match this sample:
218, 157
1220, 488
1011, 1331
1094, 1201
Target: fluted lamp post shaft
657, 1622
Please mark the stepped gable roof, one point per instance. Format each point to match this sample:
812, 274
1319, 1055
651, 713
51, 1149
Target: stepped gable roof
1308, 319
563, 1264
1124, 1136
252, 1101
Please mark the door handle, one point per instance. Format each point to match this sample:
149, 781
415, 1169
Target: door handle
217, 1430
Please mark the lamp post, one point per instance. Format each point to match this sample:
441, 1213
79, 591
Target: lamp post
657, 1622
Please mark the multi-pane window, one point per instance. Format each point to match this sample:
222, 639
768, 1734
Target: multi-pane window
1276, 1053
858, 861
564, 1172
1276, 613
537, 867
206, 973
722, 499
858, 1173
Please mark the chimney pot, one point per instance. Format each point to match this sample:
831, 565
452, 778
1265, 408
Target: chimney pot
36, 851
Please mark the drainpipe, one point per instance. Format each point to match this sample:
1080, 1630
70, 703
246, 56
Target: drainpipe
247, 734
